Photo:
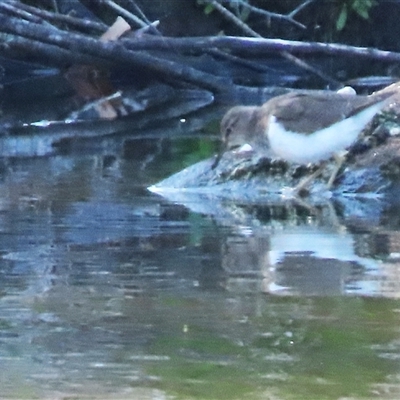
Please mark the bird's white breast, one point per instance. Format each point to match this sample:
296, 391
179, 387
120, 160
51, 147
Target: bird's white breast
303, 148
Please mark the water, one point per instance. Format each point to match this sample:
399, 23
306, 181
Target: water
109, 291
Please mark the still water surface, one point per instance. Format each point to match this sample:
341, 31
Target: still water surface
109, 291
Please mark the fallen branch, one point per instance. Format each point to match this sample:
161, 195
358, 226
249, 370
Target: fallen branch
290, 57
12, 9
54, 55
61, 48
113, 52
260, 46
43, 15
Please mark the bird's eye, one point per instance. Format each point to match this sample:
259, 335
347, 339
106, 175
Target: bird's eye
228, 131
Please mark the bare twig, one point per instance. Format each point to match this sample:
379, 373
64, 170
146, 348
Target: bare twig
233, 18
285, 54
125, 13
151, 26
269, 14
148, 28
139, 11
255, 66
307, 67
55, 6
299, 8
54, 17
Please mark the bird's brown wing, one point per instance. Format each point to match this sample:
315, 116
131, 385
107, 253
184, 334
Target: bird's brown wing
304, 113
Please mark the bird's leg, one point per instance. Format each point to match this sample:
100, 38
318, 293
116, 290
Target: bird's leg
217, 159
339, 158
308, 179
218, 156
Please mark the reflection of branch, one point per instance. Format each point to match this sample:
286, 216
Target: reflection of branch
285, 54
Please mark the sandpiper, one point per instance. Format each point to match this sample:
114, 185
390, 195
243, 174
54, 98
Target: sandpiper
303, 128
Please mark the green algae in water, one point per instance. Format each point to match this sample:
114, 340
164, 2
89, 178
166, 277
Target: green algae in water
319, 348
202, 366
203, 380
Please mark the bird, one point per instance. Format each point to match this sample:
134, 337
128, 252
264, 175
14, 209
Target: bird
303, 127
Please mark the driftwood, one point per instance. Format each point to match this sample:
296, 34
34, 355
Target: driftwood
59, 40
102, 52
229, 73
252, 46
38, 15
75, 44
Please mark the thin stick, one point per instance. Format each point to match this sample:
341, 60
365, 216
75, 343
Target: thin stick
151, 26
55, 6
54, 17
139, 11
233, 18
285, 54
125, 13
270, 14
299, 8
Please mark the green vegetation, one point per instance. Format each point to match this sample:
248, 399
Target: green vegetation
322, 348
360, 7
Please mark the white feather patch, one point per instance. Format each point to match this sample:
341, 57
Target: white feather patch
303, 148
